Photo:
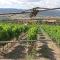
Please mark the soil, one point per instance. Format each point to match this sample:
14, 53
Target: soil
46, 49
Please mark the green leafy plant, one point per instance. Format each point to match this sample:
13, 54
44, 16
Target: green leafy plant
53, 31
9, 31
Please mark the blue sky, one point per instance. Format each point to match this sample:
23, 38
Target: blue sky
26, 4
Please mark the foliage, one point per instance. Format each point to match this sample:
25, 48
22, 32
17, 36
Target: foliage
9, 31
53, 31
32, 32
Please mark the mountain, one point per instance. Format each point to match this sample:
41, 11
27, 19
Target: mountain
10, 10
50, 13
44, 13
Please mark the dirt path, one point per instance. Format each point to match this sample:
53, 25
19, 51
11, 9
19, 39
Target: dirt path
46, 50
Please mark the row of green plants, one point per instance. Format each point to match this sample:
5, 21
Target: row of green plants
9, 31
53, 31
32, 32
32, 37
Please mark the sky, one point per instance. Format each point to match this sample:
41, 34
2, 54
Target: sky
27, 4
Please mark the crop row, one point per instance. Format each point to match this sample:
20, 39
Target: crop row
32, 32
9, 31
53, 31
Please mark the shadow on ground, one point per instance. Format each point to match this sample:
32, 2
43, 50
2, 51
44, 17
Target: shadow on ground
46, 52
17, 53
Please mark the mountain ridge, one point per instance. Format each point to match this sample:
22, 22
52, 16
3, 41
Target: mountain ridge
44, 13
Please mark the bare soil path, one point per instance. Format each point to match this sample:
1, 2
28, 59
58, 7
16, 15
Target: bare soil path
46, 50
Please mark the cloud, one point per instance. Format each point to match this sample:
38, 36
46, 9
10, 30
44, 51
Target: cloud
32, 0
50, 3
26, 4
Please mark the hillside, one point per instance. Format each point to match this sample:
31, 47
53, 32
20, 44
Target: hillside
10, 10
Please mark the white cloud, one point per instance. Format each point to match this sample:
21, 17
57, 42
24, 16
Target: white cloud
29, 3
50, 3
